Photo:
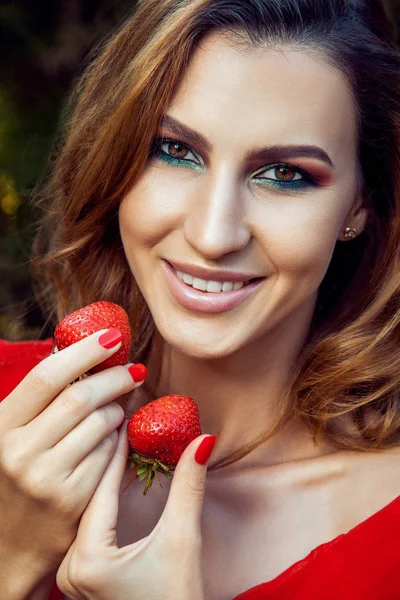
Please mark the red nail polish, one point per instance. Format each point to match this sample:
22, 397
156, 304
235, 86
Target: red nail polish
203, 452
138, 372
110, 338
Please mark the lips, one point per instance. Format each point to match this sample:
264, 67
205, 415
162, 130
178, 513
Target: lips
207, 302
211, 274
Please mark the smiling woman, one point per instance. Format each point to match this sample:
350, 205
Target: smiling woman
229, 175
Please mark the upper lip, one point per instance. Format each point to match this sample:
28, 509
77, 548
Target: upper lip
211, 275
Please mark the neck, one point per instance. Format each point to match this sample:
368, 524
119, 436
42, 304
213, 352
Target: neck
240, 395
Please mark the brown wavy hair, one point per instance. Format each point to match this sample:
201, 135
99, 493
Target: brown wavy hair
347, 382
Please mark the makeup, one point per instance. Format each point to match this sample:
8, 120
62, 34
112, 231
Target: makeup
299, 178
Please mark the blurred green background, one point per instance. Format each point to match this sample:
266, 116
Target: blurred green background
44, 46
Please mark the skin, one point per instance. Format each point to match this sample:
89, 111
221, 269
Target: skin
218, 215
289, 496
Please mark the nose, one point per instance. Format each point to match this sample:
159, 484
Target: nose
215, 224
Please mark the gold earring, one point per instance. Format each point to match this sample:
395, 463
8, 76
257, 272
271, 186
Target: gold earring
350, 233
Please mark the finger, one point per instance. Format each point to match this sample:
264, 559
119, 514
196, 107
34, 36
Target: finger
185, 500
88, 474
73, 405
48, 378
63, 575
99, 520
86, 436
128, 477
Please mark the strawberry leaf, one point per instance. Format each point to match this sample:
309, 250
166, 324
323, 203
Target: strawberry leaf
142, 469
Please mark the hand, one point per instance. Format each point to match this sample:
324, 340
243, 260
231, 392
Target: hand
56, 441
165, 565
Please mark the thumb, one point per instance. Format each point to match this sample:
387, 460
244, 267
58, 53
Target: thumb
185, 500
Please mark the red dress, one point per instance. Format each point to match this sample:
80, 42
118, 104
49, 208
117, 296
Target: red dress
362, 564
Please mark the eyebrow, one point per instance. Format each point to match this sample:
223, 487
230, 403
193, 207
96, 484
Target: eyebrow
198, 140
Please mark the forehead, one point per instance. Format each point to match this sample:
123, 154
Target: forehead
285, 94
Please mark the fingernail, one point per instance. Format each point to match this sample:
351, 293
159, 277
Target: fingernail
203, 452
138, 372
110, 338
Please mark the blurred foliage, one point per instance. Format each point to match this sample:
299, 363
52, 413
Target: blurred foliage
44, 46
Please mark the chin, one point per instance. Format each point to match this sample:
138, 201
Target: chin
201, 346
203, 353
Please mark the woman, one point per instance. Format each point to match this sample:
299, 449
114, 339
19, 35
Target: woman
229, 175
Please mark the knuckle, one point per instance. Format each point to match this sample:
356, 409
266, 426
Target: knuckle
63, 583
117, 411
83, 574
108, 415
27, 474
12, 456
101, 419
109, 442
194, 484
35, 483
77, 397
69, 576
39, 376
11, 464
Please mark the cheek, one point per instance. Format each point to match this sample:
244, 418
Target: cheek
149, 213
303, 257
300, 239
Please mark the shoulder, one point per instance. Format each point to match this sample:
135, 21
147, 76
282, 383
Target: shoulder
17, 359
372, 486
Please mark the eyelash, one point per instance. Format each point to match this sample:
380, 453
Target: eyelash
307, 181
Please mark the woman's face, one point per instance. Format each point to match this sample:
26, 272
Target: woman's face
218, 204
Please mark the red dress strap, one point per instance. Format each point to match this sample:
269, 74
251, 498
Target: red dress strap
362, 564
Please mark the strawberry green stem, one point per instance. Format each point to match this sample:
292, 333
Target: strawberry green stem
148, 467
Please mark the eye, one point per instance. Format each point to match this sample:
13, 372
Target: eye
175, 149
283, 173
278, 175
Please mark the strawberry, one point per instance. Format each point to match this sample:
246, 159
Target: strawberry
159, 432
89, 319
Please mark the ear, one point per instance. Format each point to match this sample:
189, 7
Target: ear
356, 218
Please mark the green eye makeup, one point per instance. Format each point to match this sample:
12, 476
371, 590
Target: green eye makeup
286, 176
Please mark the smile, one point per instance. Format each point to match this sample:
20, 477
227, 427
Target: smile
194, 294
209, 285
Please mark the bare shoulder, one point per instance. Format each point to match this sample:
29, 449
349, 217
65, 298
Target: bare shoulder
377, 467
371, 483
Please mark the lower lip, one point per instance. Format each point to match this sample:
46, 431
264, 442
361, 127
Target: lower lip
208, 302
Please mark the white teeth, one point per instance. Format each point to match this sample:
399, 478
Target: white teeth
227, 286
214, 286
199, 284
209, 286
